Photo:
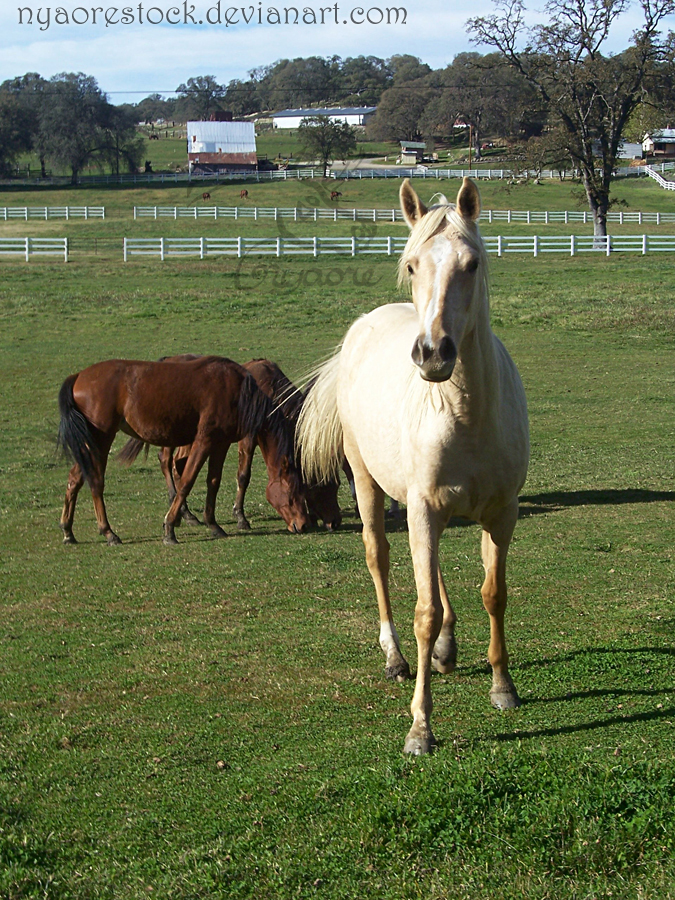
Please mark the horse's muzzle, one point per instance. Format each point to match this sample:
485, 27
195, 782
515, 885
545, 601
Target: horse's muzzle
436, 363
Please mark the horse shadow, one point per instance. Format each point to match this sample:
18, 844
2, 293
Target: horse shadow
552, 501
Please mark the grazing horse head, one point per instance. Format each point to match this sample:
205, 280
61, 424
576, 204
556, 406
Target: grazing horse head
445, 263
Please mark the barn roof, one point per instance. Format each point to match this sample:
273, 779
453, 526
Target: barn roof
329, 111
221, 137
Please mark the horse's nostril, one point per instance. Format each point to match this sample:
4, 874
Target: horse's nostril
420, 352
447, 350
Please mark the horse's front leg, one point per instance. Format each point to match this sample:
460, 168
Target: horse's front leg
496, 539
213, 478
247, 447
198, 453
370, 498
444, 656
424, 528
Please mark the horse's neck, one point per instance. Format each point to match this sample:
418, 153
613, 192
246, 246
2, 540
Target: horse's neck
474, 385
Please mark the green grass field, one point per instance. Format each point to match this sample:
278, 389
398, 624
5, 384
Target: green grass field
213, 721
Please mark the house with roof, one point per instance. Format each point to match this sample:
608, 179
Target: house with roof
221, 146
659, 143
352, 115
412, 152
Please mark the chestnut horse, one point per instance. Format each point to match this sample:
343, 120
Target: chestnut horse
428, 407
209, 403
322, 501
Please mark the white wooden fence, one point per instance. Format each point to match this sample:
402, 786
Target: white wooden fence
535, 245
52, 212
340, 214
659, 179
30, 246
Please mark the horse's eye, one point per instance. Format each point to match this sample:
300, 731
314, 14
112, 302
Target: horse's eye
410, 270
473, 265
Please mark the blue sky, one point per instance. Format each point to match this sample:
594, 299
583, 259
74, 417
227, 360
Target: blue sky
136, 57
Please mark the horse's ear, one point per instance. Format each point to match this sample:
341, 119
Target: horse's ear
412, 207
468, 200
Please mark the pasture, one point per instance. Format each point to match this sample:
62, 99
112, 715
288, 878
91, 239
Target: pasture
212, 719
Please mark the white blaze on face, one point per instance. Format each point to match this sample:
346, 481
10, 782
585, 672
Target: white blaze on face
440, 251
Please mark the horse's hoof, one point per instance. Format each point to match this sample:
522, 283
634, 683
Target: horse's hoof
243, 525
419, 744
400, 672
191, 519
113, 540
218, 532
505, 699
69, 537
170, 540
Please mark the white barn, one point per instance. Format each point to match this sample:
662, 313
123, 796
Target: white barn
352, 115
214, 146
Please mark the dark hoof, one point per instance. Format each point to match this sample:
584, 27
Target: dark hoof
113, 540
217, 531
170, 540
505, 700
191, 518
243, 525
69, 539
419, 744
400, 672
444, 656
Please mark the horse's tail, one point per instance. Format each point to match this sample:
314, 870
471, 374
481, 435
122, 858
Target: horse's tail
318, 434
258, 412
131, 450
75, 436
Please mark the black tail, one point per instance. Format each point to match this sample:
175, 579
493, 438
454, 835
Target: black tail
75, 436
130, 451
258, 413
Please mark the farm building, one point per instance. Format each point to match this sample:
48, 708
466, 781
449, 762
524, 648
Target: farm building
352, 115
660, 143
412, 152
221, 146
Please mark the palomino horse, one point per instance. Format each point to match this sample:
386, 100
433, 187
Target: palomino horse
209, 403
284, 489
430, 409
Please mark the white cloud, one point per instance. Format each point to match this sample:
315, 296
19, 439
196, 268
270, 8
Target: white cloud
146, 58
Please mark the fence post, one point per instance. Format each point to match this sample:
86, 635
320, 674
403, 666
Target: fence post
278, 246
135, 216
239, 246
499, 245
609, 244
535, 244
658, 218
27, 249
546, 217
295, 214
571, 245
353, 245
528, 217
201, 248
125, 250
335, 214
65, 249
644, 244
508, 216
389, 246
316, 245
640, 218
161, 249
155, 212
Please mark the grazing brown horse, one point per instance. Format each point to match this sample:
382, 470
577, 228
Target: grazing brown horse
243, 194
209, 403
322, 502
206, 195
335, 194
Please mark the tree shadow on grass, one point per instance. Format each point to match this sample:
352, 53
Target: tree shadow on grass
654, 715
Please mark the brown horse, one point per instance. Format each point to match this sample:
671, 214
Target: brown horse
322, 502
209, 403
335, 194
243, 194
206, 195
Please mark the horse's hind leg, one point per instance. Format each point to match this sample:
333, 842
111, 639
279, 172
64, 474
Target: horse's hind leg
97, 485
496, 539
370, 497
75, 482
178, 467
213, 478
444, 656
246, 450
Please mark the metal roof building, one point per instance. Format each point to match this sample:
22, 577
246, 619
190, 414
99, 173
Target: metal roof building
352, 115
213, 146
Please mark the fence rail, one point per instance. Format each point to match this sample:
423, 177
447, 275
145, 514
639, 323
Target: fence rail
535, 245
296, 174
338, 214
30, 246
659, 179
52, 212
